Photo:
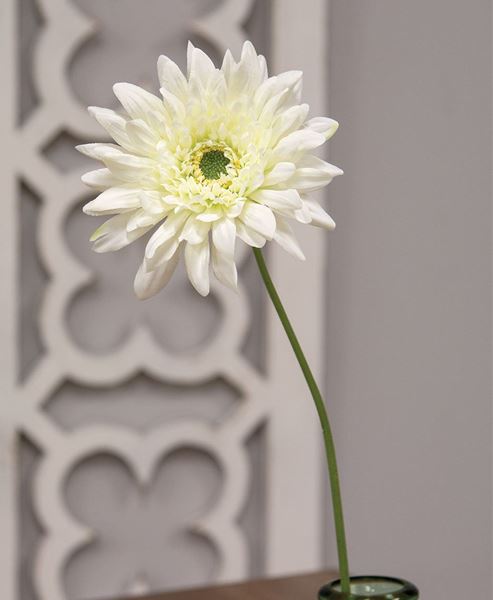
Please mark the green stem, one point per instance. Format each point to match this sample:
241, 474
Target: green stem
324, 421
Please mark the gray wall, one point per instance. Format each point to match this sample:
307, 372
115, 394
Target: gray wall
409, 288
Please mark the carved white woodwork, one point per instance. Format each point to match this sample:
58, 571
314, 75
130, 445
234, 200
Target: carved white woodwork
278, 398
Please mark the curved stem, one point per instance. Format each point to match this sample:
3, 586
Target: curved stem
323, 417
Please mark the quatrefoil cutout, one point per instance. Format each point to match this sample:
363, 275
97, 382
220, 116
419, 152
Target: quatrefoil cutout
143, 532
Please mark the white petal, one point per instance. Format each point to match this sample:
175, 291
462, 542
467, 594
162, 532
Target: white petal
113, 123
224, 268
263, 67
171, 78
285, 238
194, 231
137, 101
126, 167
141, 218
141, 137
249, 55
200, 67
309, 180
314, 162
157, 121
256, 175
294, 81
327, 127
190, 49
235, 210
130, 167
114, 201
173, 106
148, 283
210, 216
312, 174
100, 179
228, 64
320, 218
303, 215
224, 236
243, 77
153, 203
113, 234
289, 120
270, 87
279, 200
163, 254
171, 228
271, 108
249, 235
259, 218
296, 143
197, 258
99, 151
280, 173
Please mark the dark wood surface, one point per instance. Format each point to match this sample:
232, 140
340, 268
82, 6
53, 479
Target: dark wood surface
299, 587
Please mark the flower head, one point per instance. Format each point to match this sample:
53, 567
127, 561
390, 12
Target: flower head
223, 154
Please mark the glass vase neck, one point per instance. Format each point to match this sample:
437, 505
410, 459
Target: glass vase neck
371, 587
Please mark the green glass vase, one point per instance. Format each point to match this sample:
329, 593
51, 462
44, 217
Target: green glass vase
371, 587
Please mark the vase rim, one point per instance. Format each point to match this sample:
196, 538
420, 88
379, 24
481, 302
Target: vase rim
404, 588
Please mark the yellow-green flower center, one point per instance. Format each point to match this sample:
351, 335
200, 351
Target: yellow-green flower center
213, 164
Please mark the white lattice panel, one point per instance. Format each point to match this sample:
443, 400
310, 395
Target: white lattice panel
276, 399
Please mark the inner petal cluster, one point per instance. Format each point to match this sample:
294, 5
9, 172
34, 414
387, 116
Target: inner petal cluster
212, 162
211, 177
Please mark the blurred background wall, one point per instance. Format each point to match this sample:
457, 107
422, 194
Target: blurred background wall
409, 287
399, 327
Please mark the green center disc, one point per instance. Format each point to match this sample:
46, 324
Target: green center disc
213, 164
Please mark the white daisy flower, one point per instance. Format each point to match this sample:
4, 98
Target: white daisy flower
224, 153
